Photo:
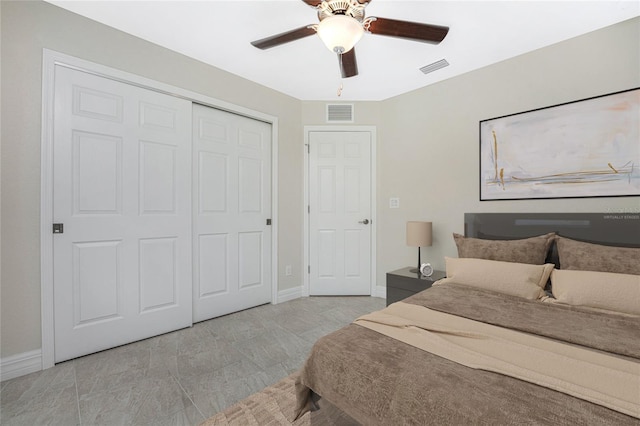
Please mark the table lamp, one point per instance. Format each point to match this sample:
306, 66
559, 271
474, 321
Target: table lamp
418, 235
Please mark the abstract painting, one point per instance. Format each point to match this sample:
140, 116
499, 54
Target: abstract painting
586, 148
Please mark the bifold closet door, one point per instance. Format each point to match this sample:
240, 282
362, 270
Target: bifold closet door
122, 194
232, 193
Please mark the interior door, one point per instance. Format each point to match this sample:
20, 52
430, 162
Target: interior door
232, 189
122, 197
340, 212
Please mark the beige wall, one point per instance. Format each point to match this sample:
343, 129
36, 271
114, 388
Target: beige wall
27, 28
429, 148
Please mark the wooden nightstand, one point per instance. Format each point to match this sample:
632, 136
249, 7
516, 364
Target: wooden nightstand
402, 283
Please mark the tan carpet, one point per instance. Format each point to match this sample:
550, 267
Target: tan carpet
274, 405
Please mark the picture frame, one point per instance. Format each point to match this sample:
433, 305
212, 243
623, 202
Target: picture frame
580, 149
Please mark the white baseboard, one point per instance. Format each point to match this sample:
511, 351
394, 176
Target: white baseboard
289, 294
380, 291
20, 364
296, 293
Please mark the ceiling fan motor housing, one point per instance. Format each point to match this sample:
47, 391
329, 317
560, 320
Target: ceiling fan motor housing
350, 8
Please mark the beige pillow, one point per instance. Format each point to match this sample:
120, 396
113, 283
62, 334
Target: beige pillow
528, 250
577, 255
603, 290
515, 279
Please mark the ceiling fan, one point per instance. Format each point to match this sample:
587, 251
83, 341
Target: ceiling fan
342, 24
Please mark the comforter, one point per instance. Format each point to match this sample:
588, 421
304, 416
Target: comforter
376, 379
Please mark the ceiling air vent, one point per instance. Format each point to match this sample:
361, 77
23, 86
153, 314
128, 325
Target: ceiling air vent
339, 113
434, 66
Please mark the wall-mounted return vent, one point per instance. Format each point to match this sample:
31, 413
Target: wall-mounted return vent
434, 66
339, 113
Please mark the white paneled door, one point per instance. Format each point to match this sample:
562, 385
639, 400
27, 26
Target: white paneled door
340, 212
122, 194
232, 192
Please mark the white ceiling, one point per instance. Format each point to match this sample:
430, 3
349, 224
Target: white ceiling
481, 33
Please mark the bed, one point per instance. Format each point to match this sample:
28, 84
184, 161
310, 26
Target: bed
493, 343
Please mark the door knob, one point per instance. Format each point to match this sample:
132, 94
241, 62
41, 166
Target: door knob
366, 221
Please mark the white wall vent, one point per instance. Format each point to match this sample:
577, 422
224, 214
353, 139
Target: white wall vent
434, 66
339, 113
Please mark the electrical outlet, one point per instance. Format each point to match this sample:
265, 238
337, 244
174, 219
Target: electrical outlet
287, 270
394, 203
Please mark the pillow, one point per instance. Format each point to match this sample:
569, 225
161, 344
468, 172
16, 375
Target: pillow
528, 250
577, 255
603, 290
515, 279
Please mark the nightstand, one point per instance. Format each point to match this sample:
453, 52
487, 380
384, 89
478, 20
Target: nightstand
402, 283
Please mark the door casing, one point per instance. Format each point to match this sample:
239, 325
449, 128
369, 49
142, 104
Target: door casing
50, 59
337, 128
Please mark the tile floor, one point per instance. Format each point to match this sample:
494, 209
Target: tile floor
183, 377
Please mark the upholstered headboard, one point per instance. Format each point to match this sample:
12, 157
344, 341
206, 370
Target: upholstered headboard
612, 229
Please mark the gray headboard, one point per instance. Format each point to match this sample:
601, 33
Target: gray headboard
612, 229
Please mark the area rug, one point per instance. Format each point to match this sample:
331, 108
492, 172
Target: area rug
273, 406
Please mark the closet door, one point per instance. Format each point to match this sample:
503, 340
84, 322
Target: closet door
122, 192
232, 193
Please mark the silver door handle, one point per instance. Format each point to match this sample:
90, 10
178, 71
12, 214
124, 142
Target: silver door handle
366, 221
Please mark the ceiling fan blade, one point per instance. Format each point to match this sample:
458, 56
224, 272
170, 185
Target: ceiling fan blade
348, 63
286, 37
410, 30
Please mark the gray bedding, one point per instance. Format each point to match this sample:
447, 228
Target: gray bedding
378, 380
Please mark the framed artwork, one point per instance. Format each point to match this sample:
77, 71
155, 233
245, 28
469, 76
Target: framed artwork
586, 148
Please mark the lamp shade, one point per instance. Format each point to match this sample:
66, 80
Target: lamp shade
419, 234
340, 32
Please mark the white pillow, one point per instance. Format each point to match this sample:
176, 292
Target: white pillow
516, 279
603, 290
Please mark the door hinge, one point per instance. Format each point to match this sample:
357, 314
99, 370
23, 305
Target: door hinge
308, 269
58, 228
268, 221
308, 148
308, 208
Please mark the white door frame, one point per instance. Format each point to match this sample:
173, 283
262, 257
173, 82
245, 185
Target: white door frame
51, 59
305, 212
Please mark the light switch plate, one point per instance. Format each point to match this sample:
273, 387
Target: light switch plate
394, 203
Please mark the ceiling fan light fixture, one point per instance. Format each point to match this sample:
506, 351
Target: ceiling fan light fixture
340, 32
